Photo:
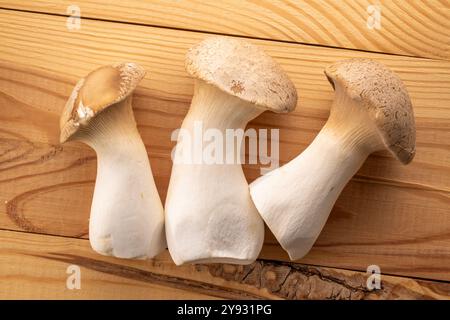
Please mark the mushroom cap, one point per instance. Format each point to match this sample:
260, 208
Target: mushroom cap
381, 92
244, 70
100, 89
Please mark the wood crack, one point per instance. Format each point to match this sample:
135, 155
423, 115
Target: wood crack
295, 281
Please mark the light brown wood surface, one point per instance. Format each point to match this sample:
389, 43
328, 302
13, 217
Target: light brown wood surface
35, 266
407, 27
394, 216
387, 211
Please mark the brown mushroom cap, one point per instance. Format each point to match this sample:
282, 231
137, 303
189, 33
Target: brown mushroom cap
241, 69
378, 89
100, 89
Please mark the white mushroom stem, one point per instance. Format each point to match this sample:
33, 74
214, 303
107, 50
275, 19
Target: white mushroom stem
295, 200
127, 219
210, 216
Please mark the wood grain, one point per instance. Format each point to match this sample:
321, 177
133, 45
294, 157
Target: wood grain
417, 27
29, 260
394, 216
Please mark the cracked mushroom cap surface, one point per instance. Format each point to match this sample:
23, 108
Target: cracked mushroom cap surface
244, 70
97, 91
378, 89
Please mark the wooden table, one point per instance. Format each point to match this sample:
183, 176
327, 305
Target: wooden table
393, 216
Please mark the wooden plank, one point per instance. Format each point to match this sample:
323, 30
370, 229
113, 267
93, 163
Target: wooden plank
388, 211
34, 266
417, 27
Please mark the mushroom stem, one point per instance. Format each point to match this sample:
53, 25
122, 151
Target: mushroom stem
210, 216
312, 182
217, 109
126, 218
